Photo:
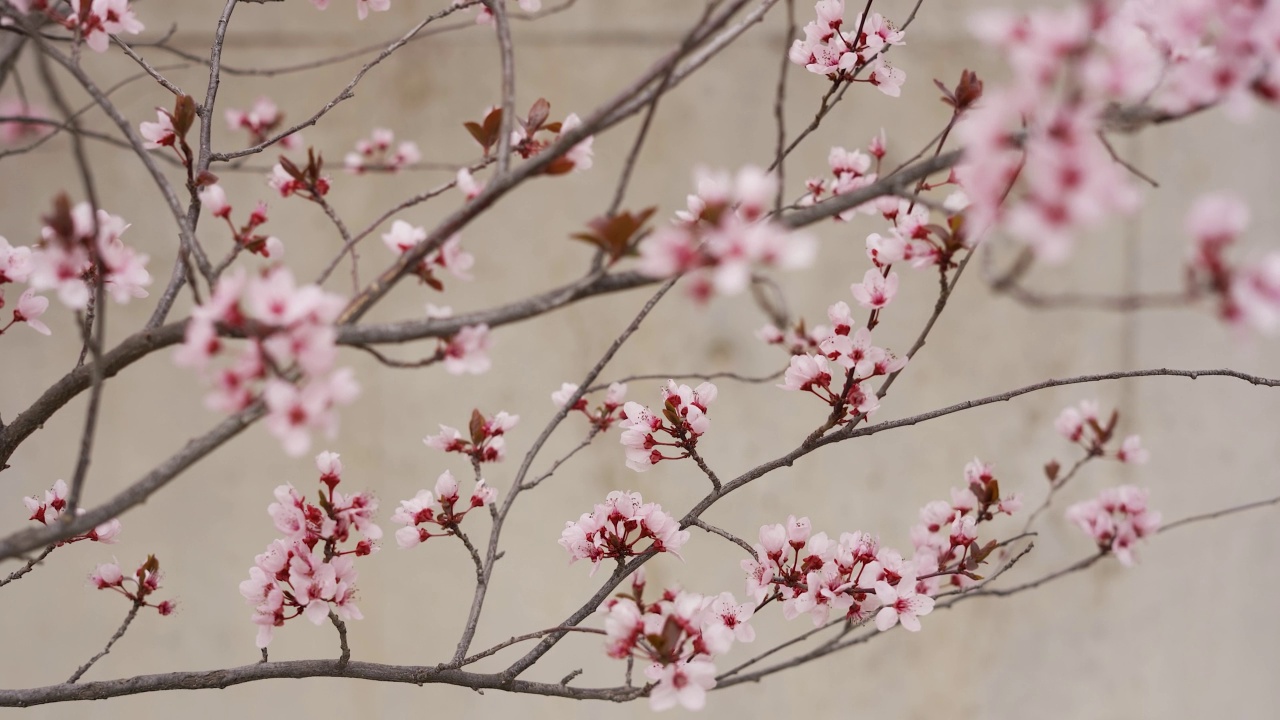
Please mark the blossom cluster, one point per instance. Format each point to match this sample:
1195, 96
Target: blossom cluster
840, 47
287, 360
486, 441
852, 351
602, 416
678, 636
136, 587
814, 575
947, 531
615, 528
440, 509
306, 572
308, 181
726, 234
850, 170
1249, 294
1117, 519
450, 256
683, 419
374, 154
78, 248
48, 511
262, 120
94, 21
1082, 425
1076, 70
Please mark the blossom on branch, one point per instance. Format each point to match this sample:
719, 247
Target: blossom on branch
441, 509
1116, 520
685, 413
307, 572
615, 528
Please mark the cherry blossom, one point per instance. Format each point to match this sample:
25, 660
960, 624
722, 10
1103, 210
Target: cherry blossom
48, 511
29, 309
876, 290
486, 443
839, 47
66, 263
291, 333
99, 19
441, 509
13, 132
468, 351
604, 415
725, 235
901, 604
1116, 520
615, 528
308, 571
136, 587
262, 121
375, 155
403, 237
160, 133
685, 413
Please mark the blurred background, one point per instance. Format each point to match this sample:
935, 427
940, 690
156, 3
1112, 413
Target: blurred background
1189, 632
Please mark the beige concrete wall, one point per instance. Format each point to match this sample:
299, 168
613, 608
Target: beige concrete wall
1190, 632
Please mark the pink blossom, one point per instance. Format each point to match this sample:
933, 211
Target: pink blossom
580, 155
15, 262
901, 604
1116, 520
160, 133
14, 131
1131, 451
468, 351
102, 19
63, 263
214, 199
468, 185
807, 372
107, 575
684, 683
30, 308
875, 291
616, 526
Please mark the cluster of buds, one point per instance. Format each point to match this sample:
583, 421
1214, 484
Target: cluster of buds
684, 411
1248, 294
725, 233
49, 509
77, 249
450, 256
855, 576
602, 416
839, 47
262, 121
534, 135
290, 336
1081, 424
486, 443
853, 351
214, 199
375, 155
678, 636
94, 21
137, 587
307, 572
947, 531
307, 181
616, 528
440, 509
1117, 519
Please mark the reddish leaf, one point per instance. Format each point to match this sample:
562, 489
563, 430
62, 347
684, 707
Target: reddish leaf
537, 116
476, 427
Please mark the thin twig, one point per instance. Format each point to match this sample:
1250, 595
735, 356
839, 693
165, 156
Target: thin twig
124, 626
28, 566
726, 535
